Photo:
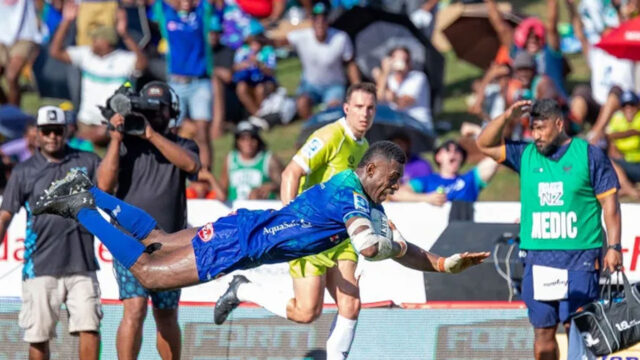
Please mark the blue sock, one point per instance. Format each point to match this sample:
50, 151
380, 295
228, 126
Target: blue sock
131, 218
124, 248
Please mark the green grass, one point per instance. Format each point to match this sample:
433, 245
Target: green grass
458, 78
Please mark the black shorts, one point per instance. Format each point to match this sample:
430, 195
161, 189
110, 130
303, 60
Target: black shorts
223, 57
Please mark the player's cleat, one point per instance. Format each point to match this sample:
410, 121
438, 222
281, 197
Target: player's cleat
66, 205
229, 300
74, 182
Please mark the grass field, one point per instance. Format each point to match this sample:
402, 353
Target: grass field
458, 78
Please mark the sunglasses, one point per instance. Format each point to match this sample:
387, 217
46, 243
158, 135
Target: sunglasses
47, 130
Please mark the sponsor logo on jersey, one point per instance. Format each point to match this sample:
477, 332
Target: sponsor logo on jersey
206, 232
272, 230
311, 148
360, 203
550, 193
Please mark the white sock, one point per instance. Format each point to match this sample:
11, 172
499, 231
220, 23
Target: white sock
274, 301
340, 338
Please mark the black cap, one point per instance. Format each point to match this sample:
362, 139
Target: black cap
158, 91
629, 98
447, 144
245, 127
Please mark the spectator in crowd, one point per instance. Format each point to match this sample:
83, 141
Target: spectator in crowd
250, 170
104, 68
623, 132
406, 89
183, 24
324, 52
541, 40
415, 165
609, 75
59, 261
254, 68
126, 170
490, 93
448, 184
225, 37
19, 150
19, 39
571, 185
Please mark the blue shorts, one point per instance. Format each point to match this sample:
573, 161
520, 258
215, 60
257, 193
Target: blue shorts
324, 94
583, 288
218, 249
130, 287
195, 99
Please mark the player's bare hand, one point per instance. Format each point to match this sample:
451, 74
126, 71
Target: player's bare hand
392, 226
459, 262
69, 11
613, 260
518, 109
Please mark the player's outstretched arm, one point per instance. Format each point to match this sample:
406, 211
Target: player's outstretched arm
420, 259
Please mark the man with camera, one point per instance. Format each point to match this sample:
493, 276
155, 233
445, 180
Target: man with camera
147, 165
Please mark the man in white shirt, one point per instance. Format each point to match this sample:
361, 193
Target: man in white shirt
405, 89
19, 39
323, 51
104, 68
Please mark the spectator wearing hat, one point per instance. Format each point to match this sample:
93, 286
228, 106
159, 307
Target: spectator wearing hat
448, 184
59, 261
623, 133
254, 66
403, 88
104, 68
250, 170
324, 52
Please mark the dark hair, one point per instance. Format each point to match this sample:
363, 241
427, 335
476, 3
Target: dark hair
446, 145
545, 109
401, 48
385, 149
368, 87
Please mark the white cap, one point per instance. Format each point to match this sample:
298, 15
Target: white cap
50, 115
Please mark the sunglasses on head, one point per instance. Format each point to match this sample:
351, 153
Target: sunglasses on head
47, 130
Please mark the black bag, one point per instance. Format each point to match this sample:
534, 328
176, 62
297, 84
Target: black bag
610, 324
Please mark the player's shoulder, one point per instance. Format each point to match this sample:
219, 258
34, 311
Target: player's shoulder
333, 132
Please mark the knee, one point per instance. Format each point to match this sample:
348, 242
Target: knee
349, 308
135, 311
166, 318
12, 77
309, 314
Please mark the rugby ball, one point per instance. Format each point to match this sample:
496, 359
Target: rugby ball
381, 224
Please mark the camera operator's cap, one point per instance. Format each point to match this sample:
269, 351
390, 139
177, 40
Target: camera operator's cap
158, 91
51, 115
629, 98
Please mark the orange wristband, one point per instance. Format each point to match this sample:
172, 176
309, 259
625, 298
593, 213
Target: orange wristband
441, 264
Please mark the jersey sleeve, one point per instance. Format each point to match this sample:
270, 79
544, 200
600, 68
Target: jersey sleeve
347, 203
419, 184
14, 194
77, 54
603, 177
512, 154
316, 152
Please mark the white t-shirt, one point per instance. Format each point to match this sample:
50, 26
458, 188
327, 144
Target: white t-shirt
415, 85
607, 71
101, 76
322, 62
19, 22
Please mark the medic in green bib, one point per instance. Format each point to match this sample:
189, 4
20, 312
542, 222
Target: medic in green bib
566, 185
